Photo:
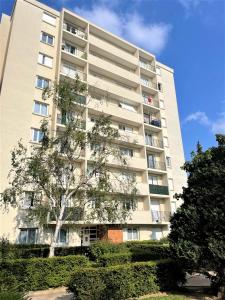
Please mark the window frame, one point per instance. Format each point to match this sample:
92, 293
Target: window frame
42, 60
27, 235
38, 77
39, 113
32, 135
47, 38
53, 22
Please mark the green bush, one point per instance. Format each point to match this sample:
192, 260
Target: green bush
124, 281
16, 251
100, 248
148, 242
79, 250
146, 252
38, 273
12, 296
111, 259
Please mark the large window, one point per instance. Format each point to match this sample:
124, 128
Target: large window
49, 18
28, 199
127, 152
127, 106
47, 38
153, 180
27, 235
132, 234
42, 82
36, 135
129, 204
40, 108
62, 236
125, 128
45, 60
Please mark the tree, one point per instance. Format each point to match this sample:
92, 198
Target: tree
62, 188
198, 228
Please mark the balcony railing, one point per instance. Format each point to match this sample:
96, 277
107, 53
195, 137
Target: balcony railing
157, 165
160, 216
154, 142
158, 189
72, 72
150, 101
74, 51
70, 28
64, 120
152, 121
70, 214
147, 66
148, 83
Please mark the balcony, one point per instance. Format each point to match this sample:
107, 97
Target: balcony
156, 165
105, 84
71, 71
150, 101
146, 66
75, 31
115, 110
71, 214
152, 120
117, 52
160, 216
116, 70
148, 83
158, 189
154, 142
64, 120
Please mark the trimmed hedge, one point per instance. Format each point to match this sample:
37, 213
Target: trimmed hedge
100, 248
78, 250
38, 273
146, 252
12, 296
124, 281
111, 259
16, 251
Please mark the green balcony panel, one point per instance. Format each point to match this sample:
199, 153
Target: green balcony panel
158, 189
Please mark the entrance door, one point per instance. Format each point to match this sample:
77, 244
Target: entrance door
85, 238
156, 233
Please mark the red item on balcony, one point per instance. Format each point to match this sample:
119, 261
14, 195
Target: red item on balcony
150, 100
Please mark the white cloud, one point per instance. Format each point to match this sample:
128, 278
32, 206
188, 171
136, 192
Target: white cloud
215, 126
150, 36
103, 17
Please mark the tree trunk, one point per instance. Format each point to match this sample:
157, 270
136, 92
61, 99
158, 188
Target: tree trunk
58, 226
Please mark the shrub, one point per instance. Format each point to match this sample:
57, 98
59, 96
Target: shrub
124, 281
39, 273
100, 248
146, 252
12, 296
79, 250
16, 251
111, 259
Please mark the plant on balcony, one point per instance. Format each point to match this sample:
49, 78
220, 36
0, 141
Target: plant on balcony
198, 228
52, 168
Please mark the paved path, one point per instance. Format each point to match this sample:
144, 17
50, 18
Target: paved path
51, 294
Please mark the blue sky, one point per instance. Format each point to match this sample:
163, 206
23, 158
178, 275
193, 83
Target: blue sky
188, 35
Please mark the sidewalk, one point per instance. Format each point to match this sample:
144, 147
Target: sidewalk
50, 294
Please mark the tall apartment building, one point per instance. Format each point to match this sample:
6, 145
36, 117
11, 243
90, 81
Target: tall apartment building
39, 45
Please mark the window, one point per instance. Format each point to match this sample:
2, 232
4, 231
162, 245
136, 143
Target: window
37, 135
168, 162
163, 122
69, 70
69, 48
161, 104
127, 107
160, 86
125, 128
129, 204
49, 18
157, 233
93, 119
128, 177
127, 151
158, 71
47, 38
40, 108
62, 236
27, 235
170, 182
42, 82
153, 180
132, 234
165, 141
45, 60
28, 199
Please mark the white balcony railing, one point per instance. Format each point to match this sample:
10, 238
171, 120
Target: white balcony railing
148, 83
146, 66
73, 50
72, 29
